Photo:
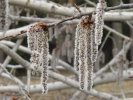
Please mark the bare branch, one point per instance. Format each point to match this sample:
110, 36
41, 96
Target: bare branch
24, 49
115, 59
66, 80
9, 77
8, 59
15, 56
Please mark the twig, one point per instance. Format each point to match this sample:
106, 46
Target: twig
25, 49
8, 58
129, 24
77, 8
5, 75
75, 95
13, 36
22, 90
104, 41
114, 42
105, 26
90, 2
123, 6
111, 62
122, 93
64, 79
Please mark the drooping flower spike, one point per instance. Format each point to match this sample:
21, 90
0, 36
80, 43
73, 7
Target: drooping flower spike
99, 21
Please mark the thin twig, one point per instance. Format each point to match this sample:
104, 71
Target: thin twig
77, 8
8, 58
104, 41
90, 2
123, 6
13, 36
129, 24
22, 90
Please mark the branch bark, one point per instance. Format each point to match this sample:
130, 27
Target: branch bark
24, 49
54, 75
16, 79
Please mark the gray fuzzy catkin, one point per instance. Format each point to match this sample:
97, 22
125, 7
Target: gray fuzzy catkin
81, 60
76, 50
99, 21
45, 63
94, 46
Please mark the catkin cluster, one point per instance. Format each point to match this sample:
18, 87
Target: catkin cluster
87, 38
83, 52
38, 44
3, 14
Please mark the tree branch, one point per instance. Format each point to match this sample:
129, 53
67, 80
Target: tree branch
115, 59
16, 79
24, 49
54, 75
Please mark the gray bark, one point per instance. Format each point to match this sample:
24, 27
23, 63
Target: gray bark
118, 27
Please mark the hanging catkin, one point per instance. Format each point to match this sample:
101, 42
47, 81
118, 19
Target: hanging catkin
45, 63
89, 31
3, 14
94, 46
99, 21
76, 50
38, 44
81, 60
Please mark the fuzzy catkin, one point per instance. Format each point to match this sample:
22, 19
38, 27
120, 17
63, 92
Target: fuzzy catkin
88, 63
3, 14
94, 46
99, 21
76, 50
81, 60
45, 63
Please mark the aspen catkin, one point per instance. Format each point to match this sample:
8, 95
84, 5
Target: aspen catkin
45, 62
99, 21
